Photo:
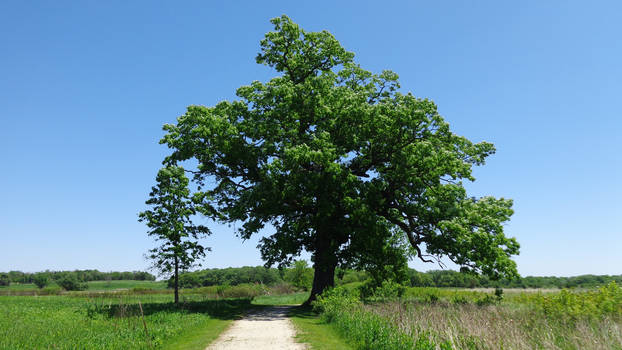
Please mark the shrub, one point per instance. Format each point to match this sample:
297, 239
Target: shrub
499, 294
243, 291
367, 330
333, 301
50, 290
282, 288
5, 281
70, 282
300, 275
569, 306
386, 291
40, 280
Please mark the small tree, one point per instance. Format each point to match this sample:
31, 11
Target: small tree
70, 282
169, 220
40, 280
300, 275
5, 281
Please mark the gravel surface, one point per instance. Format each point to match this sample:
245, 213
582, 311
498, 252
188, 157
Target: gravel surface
264, 329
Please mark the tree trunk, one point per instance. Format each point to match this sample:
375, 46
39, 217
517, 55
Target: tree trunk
176, 281
324, 264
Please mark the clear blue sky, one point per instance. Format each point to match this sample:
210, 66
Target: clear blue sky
85, 87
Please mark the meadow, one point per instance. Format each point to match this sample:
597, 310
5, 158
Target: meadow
141, 315
432, 318
93, 286
117, 322
128, 315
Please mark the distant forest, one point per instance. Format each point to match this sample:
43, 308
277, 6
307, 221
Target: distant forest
270, 276
437, 278
79, 275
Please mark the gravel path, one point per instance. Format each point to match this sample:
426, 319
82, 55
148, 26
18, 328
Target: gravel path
264, 329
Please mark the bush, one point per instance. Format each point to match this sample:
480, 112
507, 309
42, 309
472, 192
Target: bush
40, 280
282, 288
386, 291
300, 275
569, 306
333, 301
243, 291
50, 290
365, 329
5, 281
70, 282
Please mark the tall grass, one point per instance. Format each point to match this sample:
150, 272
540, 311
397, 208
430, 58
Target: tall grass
441, 319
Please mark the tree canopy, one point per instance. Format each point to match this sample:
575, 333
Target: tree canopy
339, 162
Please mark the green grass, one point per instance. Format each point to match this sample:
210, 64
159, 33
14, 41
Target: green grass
113, 320
18, 287
123, 284
433, 318
93, 286
69, 322
199, 337
284, 299
315, 332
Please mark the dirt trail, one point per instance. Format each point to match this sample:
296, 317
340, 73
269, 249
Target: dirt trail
264, 329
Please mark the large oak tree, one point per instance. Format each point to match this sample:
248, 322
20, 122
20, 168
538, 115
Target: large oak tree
338, 161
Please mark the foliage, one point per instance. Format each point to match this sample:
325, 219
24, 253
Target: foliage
364, 329
333, 300
299, 275
170, 223
339, 161
229, 276
449, 278
387, 290
40, 280
345, 276
5, 281
50, 290
70, 282
81, 275
316, 333
567, 305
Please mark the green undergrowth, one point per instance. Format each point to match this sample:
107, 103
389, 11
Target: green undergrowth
315, 332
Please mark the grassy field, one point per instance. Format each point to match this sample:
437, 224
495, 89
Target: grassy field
113, 320
431, 318
92, 286
69, 322
122, 284
108, 316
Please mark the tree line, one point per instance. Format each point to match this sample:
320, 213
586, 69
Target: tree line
301, 276
449, 278
7, 278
